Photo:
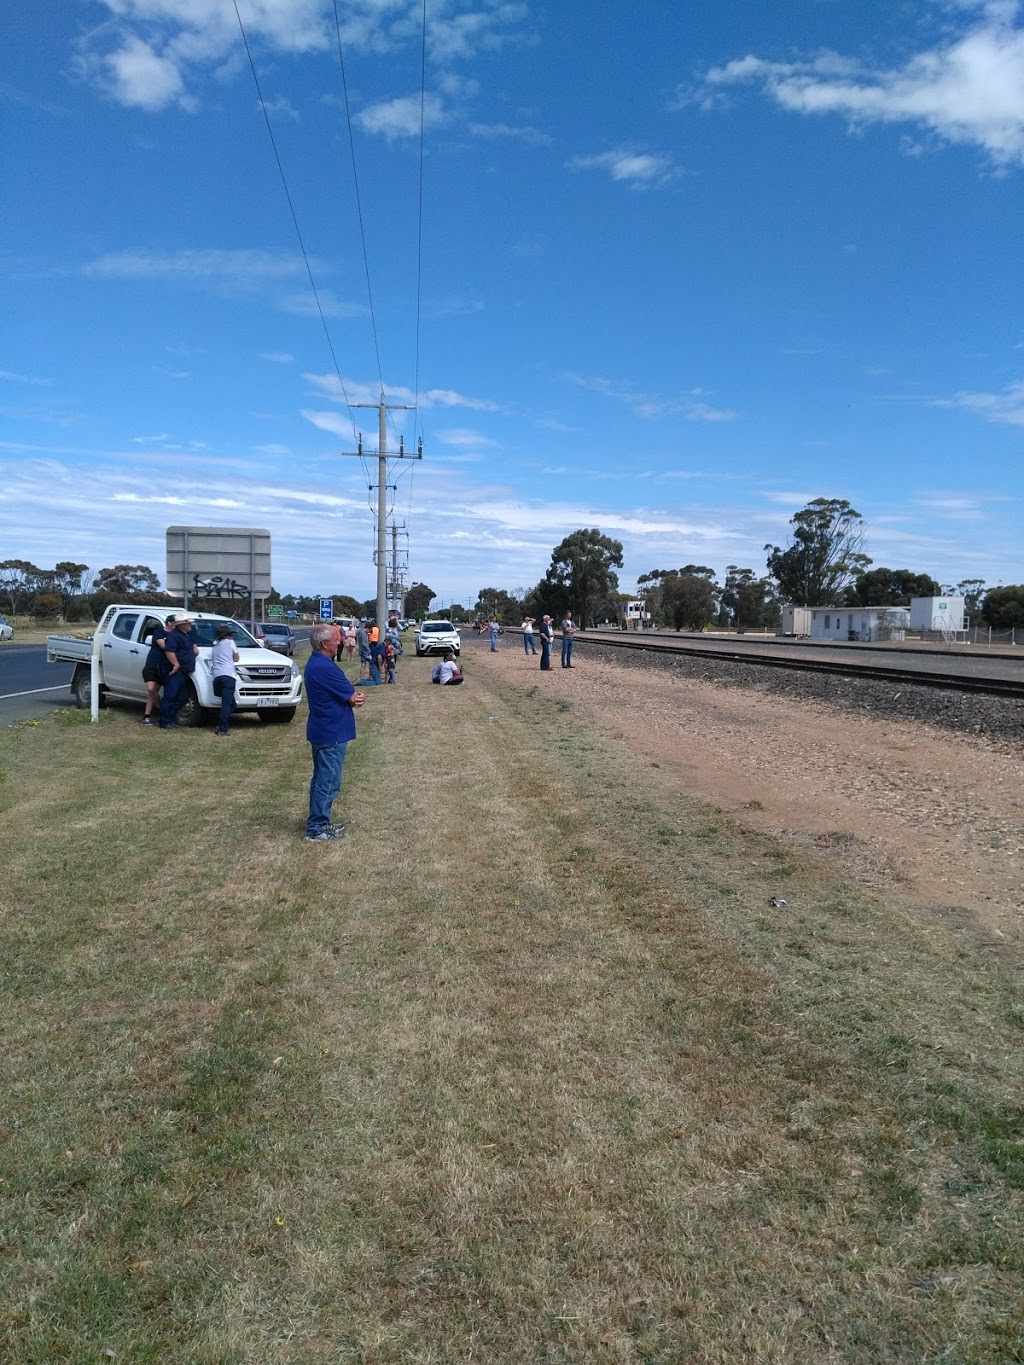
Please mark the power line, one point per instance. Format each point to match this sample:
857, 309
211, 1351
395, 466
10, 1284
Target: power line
419, 215
291, 209
355, 181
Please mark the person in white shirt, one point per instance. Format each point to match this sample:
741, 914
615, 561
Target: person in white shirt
447, 671
223, 658
528, 646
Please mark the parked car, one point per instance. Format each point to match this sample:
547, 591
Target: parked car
255, 629
433, 637
6, 630
279, 637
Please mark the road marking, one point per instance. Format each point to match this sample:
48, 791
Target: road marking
7, 696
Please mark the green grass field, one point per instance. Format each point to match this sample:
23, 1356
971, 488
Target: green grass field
525, 1069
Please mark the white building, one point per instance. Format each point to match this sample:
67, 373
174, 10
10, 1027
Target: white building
859, 623
795, 621
634, 615
943, 614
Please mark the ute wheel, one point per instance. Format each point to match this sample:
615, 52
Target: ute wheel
81, 688
192, 714
276, 715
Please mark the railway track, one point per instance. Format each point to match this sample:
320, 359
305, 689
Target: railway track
1010, 688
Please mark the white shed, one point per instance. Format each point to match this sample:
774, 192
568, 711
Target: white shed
795, 621
859, 623
937, 613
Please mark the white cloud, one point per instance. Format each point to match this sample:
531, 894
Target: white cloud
356, 391
11, 378
968, 91
1006, 407
137, 75
152, 53
956, 507
209, 265
400, 117
640, 170
462, 438
509, 133
691, 405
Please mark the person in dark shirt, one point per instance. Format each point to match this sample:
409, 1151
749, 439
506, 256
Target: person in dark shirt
181, 655
330, 727
156, 668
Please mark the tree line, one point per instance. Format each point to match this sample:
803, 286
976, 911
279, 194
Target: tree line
823, 564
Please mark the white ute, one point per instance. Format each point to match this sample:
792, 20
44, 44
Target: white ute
268, 684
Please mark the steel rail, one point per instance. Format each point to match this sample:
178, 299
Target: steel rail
995, 687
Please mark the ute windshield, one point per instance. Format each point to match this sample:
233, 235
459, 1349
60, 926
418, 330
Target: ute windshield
205, 633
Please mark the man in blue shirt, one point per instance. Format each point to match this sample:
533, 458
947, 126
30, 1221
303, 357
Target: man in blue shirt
156, 668
331, 699
180, 653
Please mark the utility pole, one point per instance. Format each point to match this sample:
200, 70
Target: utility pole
397, 568
381, 556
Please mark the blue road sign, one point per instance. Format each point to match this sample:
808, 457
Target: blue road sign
293, 613
326, 608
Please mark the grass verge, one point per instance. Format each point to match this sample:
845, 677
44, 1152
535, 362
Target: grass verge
525, 1069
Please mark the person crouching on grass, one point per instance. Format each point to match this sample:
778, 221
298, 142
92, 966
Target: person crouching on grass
331, 699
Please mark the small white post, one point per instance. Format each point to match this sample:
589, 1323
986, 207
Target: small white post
94, 678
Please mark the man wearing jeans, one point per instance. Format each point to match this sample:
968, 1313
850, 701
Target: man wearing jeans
331, 699
568, 631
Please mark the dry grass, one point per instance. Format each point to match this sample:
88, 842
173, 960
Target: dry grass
525, 1069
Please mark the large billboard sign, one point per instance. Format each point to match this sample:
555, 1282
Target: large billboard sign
218, 564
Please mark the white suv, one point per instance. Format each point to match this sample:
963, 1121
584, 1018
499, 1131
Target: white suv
433, 637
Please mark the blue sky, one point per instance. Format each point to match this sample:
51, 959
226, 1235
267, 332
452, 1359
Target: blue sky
682, 268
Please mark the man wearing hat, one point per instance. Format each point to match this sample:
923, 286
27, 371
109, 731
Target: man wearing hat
180, 654
156, 668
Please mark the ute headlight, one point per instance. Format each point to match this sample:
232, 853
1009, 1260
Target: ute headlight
295, 669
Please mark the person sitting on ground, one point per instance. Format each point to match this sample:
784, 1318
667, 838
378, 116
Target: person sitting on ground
447, 671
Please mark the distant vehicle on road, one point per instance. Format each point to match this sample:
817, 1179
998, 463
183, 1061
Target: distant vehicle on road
279, 637
6, 630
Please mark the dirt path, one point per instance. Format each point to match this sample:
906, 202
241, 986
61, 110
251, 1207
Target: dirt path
939, 815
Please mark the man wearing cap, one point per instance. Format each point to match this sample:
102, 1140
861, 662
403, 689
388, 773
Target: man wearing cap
181, 654
331, 699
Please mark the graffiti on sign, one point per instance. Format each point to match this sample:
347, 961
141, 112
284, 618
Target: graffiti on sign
218, 587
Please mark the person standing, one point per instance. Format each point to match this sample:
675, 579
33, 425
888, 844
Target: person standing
568, 631
528, 646
156, 668
493, 630
547, 635
363, 641
376, 658
330, 728
223, 658
181, 655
